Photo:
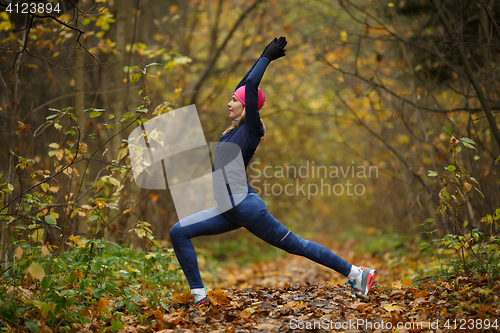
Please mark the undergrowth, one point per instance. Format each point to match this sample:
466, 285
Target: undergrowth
93, 277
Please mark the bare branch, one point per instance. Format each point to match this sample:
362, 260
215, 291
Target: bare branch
195, 88
387, 145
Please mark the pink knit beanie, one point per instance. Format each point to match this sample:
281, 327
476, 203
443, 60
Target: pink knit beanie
261, 98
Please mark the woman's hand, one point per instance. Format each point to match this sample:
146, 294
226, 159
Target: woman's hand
275, 49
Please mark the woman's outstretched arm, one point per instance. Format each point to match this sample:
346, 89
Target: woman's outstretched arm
252, 117
273, 51
244, 80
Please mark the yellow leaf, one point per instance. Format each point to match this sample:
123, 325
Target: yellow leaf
122, 153
100, 204
68, 170
343, 36
54, 145
403, 138
114, 181
37, 235
77, 240
57, 126
59, 154
44, 187
19, 252
391, 307
10, 187
36, 271
390, 4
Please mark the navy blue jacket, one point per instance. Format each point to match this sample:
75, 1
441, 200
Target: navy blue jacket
248, 135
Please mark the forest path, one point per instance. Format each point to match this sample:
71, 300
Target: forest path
297, 295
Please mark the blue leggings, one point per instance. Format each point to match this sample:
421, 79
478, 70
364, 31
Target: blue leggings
251, 214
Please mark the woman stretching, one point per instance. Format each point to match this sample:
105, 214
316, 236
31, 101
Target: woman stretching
246, 132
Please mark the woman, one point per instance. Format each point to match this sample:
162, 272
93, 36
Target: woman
246, 132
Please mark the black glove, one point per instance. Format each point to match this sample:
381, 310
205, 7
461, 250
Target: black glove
275, 49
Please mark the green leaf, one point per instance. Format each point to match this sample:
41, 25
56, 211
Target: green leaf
32, 325
50, 220
153, 64
432, 173
52, 116
127, 68
114, 181
155, 242
444, 193
448, 130
45, 283
486, 291
451, 168
469, 146
498, 159
136, 77
93, 218
479, 191
94, 114
453, 121
164, 306
468, 141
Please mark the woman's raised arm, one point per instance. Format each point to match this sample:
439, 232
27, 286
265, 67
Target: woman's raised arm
273, 51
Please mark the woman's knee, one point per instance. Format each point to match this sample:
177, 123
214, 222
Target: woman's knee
175, 231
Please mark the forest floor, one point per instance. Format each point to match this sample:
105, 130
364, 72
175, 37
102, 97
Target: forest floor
296, 295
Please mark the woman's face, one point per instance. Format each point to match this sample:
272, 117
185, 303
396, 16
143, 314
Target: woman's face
235, 107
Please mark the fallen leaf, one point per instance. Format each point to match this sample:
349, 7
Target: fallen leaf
218, 297
392, 307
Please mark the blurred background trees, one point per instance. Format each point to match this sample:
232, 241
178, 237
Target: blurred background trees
364, 83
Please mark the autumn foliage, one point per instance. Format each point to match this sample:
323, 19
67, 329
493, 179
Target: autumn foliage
409, 88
